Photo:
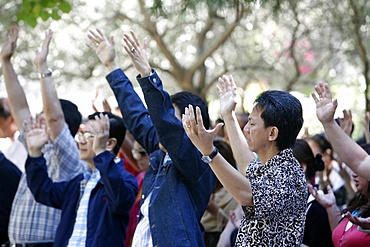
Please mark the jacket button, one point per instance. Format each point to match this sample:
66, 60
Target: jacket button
153, 226
155, 80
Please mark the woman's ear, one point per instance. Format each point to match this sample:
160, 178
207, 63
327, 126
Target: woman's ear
274, 132
111, 143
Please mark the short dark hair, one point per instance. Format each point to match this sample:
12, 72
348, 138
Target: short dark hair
184, 98
283, 110
116, 128
72, 116
4, 108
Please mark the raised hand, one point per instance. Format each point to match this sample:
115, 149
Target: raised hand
200, 137
41, 55
103, 48
325, 105
10, 43
37, 135
137, 53
326, 200
101, 133
227, 90
363, 222
346, 123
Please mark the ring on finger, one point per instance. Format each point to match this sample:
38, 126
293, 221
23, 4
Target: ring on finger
133, 49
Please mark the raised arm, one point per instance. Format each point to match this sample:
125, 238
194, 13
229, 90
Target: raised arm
347, 149
135, 115
238, 185
227, 91
16, 95
328, 202
41, 186
53, 111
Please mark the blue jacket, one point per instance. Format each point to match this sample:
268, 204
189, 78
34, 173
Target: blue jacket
109, 205
9, 180
180, 188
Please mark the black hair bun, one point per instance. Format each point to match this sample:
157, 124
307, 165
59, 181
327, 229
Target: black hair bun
318, 164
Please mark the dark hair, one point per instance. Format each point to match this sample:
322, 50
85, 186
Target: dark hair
4, 108
303, 153
72, 116
183, 99
116, 128
323, 143
226, 152
283, 110
360, 200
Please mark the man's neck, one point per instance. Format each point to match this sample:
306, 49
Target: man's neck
91, 165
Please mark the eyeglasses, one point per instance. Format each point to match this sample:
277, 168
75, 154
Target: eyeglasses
138, 154
79, 137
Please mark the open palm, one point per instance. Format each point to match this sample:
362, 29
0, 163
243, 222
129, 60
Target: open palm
103, 47
227, 91
37, 135
325, 105
325, 200
10, 43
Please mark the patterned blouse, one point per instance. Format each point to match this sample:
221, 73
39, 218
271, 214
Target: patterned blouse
280, 197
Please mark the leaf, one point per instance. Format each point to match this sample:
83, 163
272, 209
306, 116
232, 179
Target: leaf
36, 11
44, 15
65, 7
55, 15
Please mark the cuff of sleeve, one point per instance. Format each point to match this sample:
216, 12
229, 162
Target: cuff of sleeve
116, 76
103, 156
153, 80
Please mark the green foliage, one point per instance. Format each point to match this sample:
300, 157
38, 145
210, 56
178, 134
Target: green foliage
31, 10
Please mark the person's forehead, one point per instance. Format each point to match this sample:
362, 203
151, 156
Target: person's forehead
255, 114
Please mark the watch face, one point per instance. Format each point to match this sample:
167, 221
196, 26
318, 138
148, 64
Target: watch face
206, 159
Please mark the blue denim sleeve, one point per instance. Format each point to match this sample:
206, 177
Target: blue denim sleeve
135, 116
172, 136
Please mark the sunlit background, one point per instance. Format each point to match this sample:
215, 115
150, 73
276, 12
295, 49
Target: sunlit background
290, 50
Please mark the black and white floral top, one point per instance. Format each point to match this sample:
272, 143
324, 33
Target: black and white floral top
280, 197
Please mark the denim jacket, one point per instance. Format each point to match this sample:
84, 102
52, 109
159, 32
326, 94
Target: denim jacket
180, 188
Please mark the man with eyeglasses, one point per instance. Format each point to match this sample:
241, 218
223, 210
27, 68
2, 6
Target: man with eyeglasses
95, 204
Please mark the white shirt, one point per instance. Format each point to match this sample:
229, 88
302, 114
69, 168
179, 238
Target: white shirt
14, 151
142, 236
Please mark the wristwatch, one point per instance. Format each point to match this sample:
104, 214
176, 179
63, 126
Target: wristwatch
47, 74
208, 159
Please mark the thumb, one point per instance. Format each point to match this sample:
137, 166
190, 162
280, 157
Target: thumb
216, 129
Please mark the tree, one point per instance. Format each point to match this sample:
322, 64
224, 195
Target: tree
290, 49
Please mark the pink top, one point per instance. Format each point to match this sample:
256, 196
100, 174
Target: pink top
350, 237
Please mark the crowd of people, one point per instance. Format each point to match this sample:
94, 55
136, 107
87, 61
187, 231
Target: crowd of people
162, 173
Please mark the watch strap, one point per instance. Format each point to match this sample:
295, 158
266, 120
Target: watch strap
47, 74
